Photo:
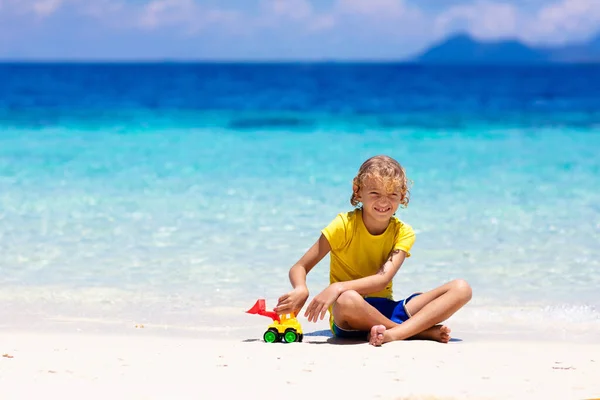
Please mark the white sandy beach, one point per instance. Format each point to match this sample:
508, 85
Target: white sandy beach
141, 364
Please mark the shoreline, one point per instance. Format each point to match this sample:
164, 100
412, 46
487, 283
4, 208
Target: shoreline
473, 323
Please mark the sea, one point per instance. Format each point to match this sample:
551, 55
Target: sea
175, 195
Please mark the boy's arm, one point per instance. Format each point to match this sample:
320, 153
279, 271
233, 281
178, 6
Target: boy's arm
370, 284
311, 258
294, 300
377, 282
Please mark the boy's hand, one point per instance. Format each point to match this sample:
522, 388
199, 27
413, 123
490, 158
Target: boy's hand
320, 304
292, 301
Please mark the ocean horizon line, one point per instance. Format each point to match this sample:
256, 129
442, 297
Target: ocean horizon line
250, 62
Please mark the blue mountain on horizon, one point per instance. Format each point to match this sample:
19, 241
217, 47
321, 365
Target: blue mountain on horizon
465, 49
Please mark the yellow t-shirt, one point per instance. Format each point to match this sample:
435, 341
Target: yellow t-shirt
355, 253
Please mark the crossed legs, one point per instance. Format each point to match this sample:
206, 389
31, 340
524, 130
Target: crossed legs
351, 311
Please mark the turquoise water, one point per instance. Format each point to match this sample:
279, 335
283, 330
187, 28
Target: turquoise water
179, 217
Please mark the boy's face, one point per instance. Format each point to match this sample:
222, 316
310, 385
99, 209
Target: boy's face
378, 201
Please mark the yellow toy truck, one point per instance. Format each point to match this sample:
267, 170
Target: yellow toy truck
285, 327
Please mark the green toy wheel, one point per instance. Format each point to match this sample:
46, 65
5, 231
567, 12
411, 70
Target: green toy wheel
290, 335
271, 336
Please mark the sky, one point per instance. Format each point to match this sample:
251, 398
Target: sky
276, 29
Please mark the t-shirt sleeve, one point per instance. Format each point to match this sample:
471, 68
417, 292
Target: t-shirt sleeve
405, 238
336, 232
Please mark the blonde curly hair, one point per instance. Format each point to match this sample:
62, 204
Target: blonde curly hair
385, 170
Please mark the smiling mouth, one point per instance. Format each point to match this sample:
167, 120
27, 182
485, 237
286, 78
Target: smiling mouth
382, 210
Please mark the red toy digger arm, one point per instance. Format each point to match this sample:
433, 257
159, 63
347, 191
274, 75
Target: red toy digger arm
260, 308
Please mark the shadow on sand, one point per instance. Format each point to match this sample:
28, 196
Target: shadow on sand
328, 338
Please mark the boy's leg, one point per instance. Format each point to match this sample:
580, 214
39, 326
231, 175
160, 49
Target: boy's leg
427, 310
352, 312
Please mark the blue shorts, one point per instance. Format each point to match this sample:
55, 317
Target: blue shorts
391, 309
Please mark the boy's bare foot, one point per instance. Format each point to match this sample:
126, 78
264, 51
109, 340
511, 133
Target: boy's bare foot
376, 335
438, 333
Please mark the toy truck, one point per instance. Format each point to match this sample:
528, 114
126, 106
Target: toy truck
285, 327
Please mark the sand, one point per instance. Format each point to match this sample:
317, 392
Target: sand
143, 363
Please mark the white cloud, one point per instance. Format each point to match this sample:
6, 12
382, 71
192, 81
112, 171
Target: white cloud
290, 15
482, 19
166, 12
102, 9
293, 9
39, 8
391, 16
377, 8
561, 21
575, 19
185, 15
44, 8
396, 19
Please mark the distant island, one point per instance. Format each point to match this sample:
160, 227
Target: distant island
465, 49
